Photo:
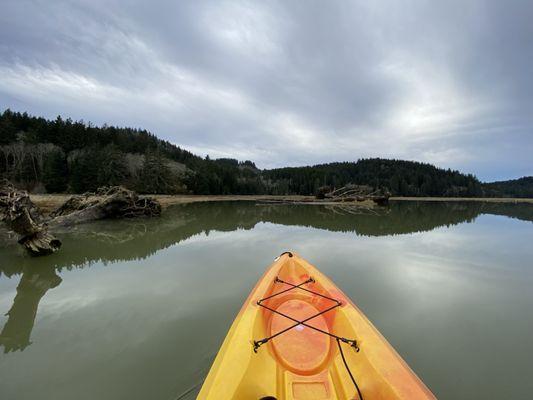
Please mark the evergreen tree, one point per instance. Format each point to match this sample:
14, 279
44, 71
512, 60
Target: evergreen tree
84, 171
113, 170
55, 173
155, 176
8, 132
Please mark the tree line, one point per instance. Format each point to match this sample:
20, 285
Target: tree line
63, 155
403, 178
522, 187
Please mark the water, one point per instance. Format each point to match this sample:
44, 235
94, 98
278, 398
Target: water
138, 309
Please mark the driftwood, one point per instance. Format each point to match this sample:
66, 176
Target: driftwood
351, 192
106, 203
24, 218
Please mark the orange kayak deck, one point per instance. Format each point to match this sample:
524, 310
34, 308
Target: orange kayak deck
299, 337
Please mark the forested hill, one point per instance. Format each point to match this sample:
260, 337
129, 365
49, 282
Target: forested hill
71, 156
522, 187
403, 178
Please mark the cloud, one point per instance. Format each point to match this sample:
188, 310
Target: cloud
286, 83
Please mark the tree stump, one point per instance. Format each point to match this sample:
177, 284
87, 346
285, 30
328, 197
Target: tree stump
23, 217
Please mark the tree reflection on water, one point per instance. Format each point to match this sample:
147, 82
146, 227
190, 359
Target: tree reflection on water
113, 241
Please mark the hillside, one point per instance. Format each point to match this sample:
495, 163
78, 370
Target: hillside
71, 156
522, 187
401, 178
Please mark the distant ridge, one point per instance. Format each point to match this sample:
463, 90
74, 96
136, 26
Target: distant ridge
62, 155
521, 187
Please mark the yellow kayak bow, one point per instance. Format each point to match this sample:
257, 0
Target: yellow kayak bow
299, 337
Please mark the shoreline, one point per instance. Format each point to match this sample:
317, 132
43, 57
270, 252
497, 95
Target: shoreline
512, 200
49, 202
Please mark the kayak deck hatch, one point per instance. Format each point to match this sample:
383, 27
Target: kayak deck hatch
300, 334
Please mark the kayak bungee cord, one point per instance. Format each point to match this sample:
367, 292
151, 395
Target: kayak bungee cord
189, 391
348, 369
258, 343
338, 303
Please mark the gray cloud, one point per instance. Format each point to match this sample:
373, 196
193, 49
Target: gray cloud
286, 83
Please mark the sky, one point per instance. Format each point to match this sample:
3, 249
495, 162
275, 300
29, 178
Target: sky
286, 83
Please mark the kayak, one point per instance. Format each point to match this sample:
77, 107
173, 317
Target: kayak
299, 337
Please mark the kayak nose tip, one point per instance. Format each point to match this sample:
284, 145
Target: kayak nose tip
289, 253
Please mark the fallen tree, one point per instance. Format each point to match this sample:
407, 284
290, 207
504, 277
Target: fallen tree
24, 218
107, 203
353, 192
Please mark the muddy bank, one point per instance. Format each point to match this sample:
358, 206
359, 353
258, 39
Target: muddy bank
49, 202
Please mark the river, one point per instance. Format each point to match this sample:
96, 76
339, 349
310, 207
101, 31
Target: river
137, 309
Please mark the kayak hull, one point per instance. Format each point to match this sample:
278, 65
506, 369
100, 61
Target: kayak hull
306, 361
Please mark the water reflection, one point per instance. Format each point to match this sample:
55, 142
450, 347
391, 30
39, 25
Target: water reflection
113, 241
33, 285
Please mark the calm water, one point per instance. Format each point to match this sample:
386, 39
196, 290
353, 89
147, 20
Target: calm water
138, 309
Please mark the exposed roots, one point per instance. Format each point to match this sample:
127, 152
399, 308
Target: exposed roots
24, 218
106, 203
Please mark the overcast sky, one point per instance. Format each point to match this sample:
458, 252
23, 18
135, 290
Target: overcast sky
288, 82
